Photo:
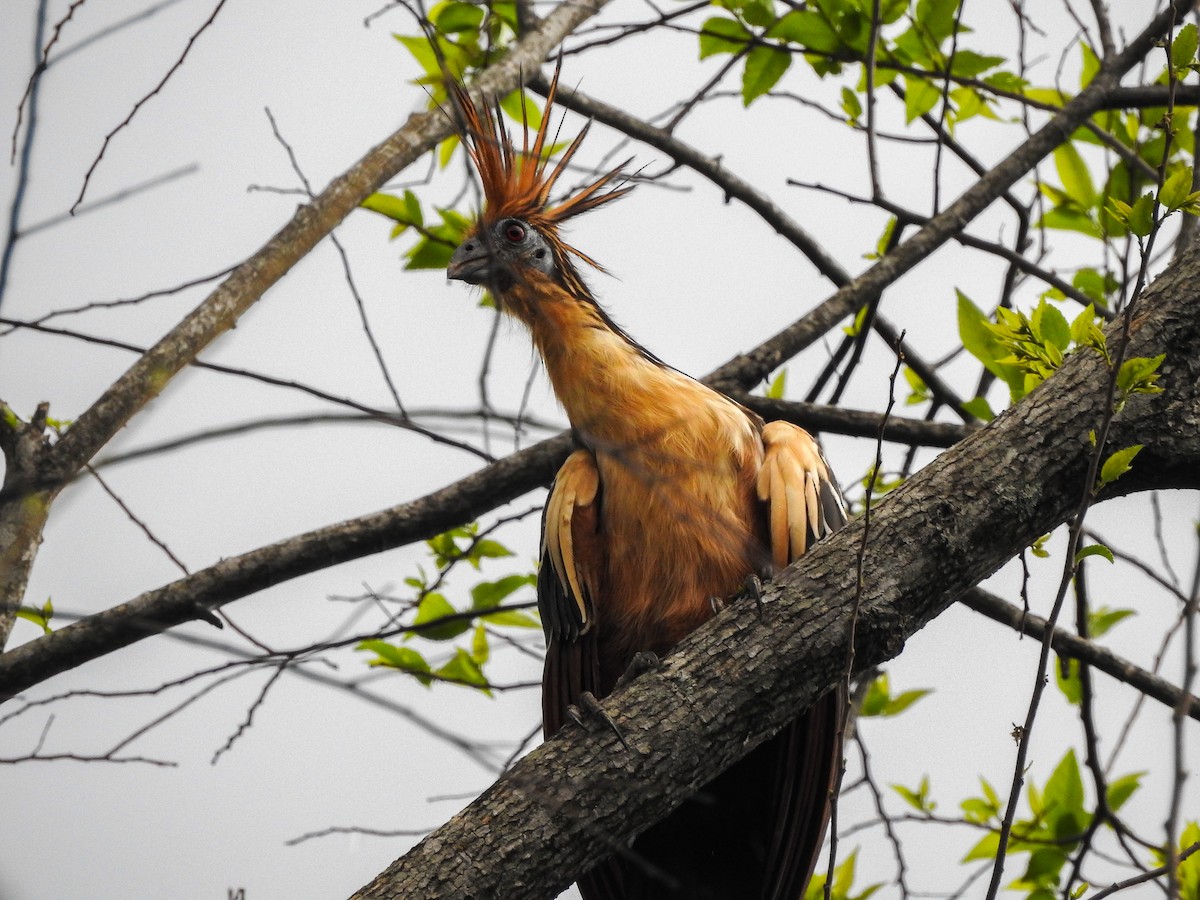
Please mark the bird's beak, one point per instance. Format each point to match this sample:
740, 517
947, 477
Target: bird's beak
471, 263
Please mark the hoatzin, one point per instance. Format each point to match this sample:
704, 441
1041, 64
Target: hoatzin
675, 496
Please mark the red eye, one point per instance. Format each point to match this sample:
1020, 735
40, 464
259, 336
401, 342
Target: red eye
515, 232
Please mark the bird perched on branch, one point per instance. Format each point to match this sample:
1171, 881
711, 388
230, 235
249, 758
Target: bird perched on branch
675, 496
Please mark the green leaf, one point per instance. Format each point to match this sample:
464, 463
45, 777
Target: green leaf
1091, 65
429, 254
1043, 868
421, 51
511, 618
777, 386
1076, 179
445, 151
1138, 218
398, 209
722, 35
479, 645
1068, 218
1053, 325
1177, 188
403, 658
433, 608
1117, 465
486, 548
920, 391
1008, 82
985, 848
1095, 284
1122, 789
1066, 676
980, 341
879, 701
758, 12
456, 16
1103, 620
764, 67
39, 617
807, 28
520, 108
975, 810
1093, 550
982, 809
936, 17
1086, 331
1063, 798
1139, 375
920, 96
464, 670
851, 105
876, 697
904, 700
979, 408
489, 594
968, 64
1183, 48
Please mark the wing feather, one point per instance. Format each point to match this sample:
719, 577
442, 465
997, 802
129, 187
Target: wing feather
569, 527
804, 504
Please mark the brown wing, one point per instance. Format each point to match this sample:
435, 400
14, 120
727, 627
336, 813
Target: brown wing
803, 506
568, 582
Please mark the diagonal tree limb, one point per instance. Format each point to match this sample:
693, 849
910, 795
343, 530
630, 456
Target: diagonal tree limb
737, 680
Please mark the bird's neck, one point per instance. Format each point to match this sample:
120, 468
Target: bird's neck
613, 392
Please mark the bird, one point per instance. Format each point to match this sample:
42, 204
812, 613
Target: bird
674, 496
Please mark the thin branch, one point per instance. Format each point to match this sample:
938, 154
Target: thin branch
1074, 647
142, 102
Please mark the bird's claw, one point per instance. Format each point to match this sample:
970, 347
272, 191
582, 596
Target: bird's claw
754, 587
643, 661
589, 708
716, 604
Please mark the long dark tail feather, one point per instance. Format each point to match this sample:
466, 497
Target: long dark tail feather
709, 848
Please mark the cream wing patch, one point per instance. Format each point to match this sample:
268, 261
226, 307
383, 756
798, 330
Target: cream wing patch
575, 488
804, 503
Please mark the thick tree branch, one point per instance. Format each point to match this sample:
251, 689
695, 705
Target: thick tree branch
193, 597
737, 681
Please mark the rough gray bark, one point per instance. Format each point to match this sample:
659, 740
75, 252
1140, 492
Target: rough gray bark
737, 681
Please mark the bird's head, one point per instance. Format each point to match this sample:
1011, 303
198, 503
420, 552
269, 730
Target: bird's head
516, 233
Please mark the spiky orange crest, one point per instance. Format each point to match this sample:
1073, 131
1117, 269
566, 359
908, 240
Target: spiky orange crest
518, 185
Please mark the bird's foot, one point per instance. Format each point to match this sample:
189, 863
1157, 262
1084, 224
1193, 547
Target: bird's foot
753, 586
716, 604
588, 710
643, 661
